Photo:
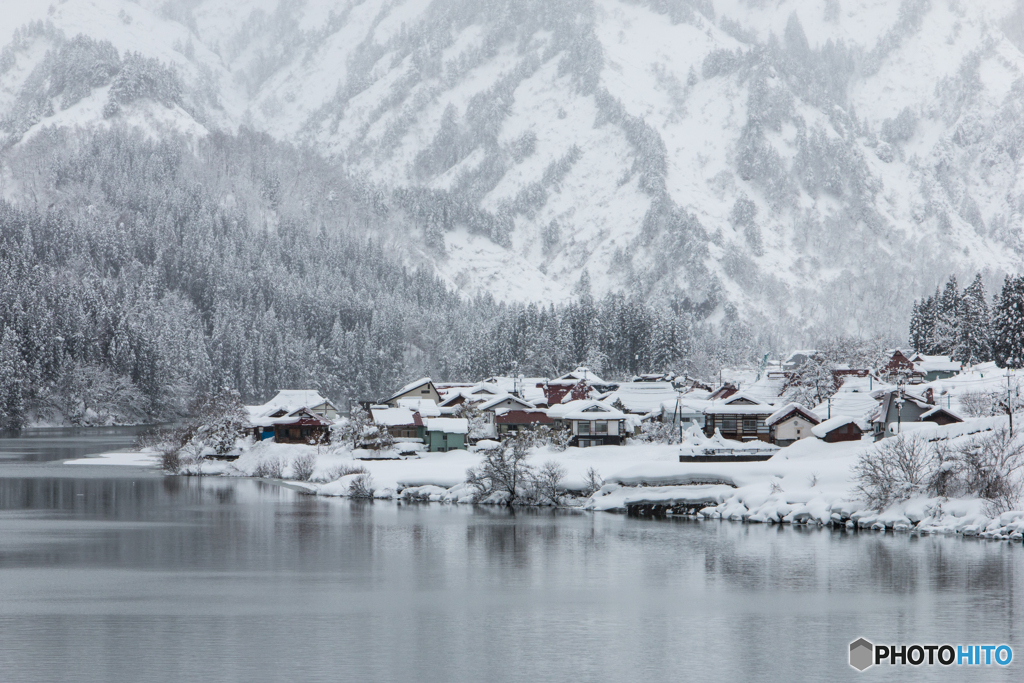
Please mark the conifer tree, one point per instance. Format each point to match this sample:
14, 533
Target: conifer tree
975, 345
12, 380
1008, 324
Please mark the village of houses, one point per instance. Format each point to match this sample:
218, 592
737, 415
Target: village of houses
728, 421
658, 444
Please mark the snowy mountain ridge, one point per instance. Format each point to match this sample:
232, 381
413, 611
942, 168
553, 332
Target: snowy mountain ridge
812, 162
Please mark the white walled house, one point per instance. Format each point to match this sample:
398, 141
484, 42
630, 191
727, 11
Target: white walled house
790, 423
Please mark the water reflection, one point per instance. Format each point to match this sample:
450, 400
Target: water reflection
65, 443
143, 577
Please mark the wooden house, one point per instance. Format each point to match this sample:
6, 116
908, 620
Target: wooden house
739, 417
509, 422
790, 423
401, 423
292, 416
839, 428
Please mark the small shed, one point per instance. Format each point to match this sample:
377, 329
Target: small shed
443, 434
839, 428
940, 416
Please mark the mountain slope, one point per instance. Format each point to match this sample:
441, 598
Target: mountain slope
815, 163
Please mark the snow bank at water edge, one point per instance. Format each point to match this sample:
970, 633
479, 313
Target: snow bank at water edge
809, 482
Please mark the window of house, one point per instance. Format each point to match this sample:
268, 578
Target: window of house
601, 427
425, 391
750, 424
729, 424
584, 443
583, 428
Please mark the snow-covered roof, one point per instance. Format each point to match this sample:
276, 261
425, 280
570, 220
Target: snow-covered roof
928, 364
598, 412
794, 355
410, 386
822, 430
856, 396
560, 410
685, 406
523, 417
424, 406
939, 409
393, 417
740, 396
789, 409
290, 400
734, 406
642, 397
582, 373
449, 425
507, 397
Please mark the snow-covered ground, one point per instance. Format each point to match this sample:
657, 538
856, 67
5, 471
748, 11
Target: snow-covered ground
808, 482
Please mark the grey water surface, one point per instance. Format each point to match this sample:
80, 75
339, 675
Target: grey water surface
121, 574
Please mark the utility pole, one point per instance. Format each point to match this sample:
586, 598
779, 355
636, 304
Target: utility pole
830, 407
899, 406
1009, 401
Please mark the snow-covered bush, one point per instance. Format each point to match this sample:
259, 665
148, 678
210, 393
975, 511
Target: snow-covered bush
557, 439
361, 486
990, 467
269, 468
343, 470
303, 466
980, 403
592, 482
652, 431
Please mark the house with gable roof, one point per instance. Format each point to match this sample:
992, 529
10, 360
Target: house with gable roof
590, 422
422, 388
839, 428
292, 416
790, 423
739, 417
896, 407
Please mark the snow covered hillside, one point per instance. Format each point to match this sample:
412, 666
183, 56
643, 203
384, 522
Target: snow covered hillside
821, 160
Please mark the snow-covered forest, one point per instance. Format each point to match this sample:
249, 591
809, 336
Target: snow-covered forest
269, 193
147, 275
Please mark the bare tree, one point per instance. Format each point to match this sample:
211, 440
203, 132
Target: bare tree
504, 469
547, 482
991, 466
303, 466
892, 472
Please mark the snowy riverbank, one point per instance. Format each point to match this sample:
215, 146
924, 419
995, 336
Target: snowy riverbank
810, 482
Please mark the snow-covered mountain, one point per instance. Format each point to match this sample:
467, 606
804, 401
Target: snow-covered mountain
811, 160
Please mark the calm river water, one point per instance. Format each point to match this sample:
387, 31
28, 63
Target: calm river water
111, 574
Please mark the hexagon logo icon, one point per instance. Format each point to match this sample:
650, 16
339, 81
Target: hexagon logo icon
862, 654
